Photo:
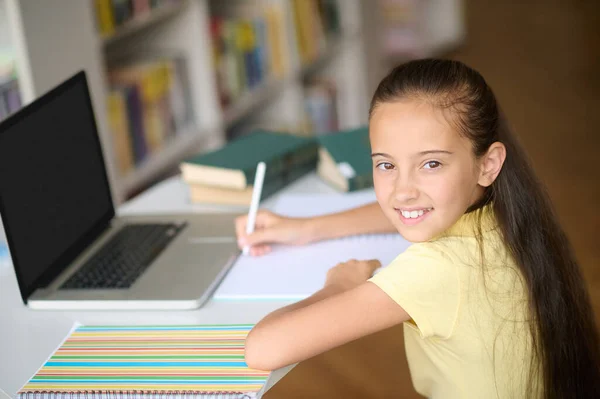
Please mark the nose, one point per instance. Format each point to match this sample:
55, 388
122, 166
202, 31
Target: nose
405, 189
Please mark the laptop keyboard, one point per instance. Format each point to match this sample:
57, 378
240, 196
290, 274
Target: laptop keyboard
124, 257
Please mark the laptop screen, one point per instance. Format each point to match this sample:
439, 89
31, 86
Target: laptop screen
54, 193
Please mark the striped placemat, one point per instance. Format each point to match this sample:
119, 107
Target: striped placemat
150, 359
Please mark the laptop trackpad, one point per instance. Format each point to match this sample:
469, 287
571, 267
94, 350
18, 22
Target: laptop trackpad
186, 270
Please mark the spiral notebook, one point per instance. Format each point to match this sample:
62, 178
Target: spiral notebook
296, 272
187, 361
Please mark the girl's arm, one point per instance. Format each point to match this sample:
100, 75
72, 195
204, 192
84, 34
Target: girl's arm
347, 308
367, 219
272, 228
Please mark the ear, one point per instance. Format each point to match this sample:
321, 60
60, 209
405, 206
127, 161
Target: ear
491, 164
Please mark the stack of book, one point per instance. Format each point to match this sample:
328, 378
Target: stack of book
345, 159
226, 176
317, 21
10, 99
148, 103
247, 46
111, 14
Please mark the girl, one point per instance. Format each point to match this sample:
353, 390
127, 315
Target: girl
490, 294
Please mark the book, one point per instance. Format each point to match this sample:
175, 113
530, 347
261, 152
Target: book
296, 272
320, 99
119, 127
316, 21
287, 157
244, 51
10, 99
200, 361
345, 159
105, 19
156, 103
200, 193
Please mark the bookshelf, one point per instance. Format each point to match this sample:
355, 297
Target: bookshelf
53, 40
5, 42
139, 23
10, 99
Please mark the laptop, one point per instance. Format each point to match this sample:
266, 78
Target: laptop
68, 248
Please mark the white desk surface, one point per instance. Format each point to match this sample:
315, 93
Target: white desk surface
28, 337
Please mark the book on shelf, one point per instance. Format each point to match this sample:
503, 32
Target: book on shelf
112, 14
401, 34
119, 127
233, 167
200, 361
148, 104
316, 22
345, 159
246, 41
10, 98
320, 104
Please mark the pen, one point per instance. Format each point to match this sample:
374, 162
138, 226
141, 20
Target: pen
259, 178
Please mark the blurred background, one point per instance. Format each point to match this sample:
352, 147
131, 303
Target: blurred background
171, 78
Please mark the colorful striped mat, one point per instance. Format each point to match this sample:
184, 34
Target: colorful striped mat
150, 359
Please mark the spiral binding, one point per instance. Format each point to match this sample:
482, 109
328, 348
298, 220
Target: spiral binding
133, 395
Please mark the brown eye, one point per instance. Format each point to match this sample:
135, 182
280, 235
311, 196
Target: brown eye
385, 166
432, 165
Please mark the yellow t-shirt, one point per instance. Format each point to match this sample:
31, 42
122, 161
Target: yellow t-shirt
468, 336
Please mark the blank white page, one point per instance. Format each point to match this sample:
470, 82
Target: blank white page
296, 272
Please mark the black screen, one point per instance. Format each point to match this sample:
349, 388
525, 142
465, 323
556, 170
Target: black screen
54, 193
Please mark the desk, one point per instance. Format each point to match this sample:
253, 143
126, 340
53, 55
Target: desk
28, 337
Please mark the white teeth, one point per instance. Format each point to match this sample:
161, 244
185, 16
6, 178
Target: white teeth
414, 214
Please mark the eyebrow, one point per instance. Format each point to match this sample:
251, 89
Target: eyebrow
383, 154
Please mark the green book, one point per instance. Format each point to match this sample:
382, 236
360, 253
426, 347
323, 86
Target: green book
345, 159
287, 157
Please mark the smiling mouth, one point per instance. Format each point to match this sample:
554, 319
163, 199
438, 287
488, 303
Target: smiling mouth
413, 216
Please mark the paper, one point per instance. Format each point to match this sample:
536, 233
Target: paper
296, 272
307, 205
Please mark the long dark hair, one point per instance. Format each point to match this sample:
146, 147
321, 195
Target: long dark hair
566, 348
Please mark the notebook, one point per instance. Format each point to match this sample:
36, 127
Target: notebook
296, 272
179, 361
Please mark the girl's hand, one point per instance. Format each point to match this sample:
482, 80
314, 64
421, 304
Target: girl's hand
271, 228
353, 273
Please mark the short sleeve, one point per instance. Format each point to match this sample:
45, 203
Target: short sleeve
426, 284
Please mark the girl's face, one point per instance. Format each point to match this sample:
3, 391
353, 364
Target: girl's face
424, 172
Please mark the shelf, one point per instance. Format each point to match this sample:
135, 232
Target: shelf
143, 21
251, 99
332, 48
169, 156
